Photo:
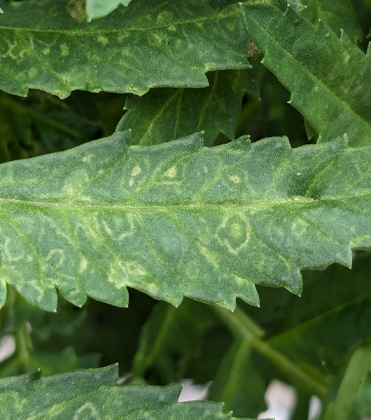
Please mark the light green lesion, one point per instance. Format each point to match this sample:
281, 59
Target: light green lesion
234, 233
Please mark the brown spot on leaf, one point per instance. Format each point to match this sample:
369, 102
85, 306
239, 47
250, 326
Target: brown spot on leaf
76, 9
253, 49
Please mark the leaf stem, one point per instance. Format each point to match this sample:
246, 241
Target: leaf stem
242, 326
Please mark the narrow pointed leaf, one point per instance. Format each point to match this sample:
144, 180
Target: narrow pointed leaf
131, 50
167, 114
100, 8
354, 377
88, 394
180, 219
326, 75
238, 382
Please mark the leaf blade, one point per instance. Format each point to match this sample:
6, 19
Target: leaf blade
326, 76
93, 393
341, 17
168, 114
128, 51
187, 213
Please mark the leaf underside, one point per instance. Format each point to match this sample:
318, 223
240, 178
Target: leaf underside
89, 394
180, 219
131, 50
326, 75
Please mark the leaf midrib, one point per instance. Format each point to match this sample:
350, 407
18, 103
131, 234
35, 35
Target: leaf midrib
167, 207
98, 32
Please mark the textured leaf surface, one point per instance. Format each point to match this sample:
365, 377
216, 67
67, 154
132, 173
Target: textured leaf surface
179, 219
131, 50
168, 114
337, 15
92, 394
328, 76
100, 8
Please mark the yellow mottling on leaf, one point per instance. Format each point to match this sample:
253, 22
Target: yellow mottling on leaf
102, 40
83, 265
33, 72
64, 50
171, 173
236, 179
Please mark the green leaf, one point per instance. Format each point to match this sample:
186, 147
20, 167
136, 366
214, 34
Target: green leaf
326, 75
131, 50
93, 394
100, 8
167, 114
179, 219
336, 15
238, 382
42, 124
355, 375
244, 328
363, 10
312, 334
362, 405
170, 340
345, 287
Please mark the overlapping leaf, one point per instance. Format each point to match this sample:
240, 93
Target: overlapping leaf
337, 15
237, 378
131, 50
100, 8
324, 330
93, 394
323, 327
326, 75
170, 341
167, 114
180, 220
41, 124
354, 378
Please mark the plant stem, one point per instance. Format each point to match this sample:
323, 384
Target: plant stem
241, 325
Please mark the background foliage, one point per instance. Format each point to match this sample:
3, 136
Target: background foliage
149, 207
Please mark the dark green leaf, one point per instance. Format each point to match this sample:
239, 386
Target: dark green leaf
170, 340
337, 15
167, 114
42, 124
238, 382
131, 50
326, 75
